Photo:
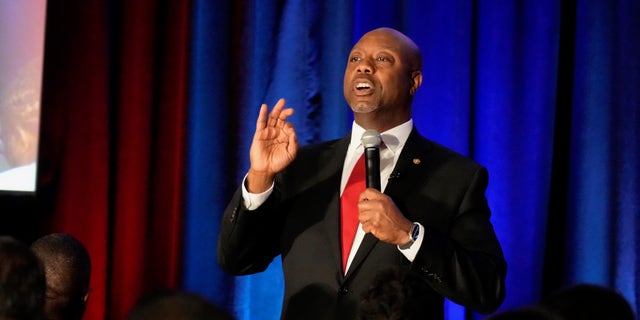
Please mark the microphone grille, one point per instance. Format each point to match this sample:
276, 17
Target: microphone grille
371, 139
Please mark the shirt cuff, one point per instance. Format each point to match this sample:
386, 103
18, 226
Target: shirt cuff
411, 251
253, 201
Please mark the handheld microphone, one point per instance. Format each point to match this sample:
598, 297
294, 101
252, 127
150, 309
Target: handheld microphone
371, 141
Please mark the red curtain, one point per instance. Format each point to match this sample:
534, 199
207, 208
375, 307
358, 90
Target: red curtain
112, 145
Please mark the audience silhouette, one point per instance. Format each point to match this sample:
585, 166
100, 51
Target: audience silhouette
22, 282
67, 268
589, 301
170, 305
576, 302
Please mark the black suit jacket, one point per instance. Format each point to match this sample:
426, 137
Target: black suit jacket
460, 257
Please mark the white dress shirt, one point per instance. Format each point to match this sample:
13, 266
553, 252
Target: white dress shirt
393, 142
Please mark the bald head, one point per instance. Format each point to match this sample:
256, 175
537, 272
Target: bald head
68, 271
412, 54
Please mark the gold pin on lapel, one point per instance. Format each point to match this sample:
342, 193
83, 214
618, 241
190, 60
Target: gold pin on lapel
416, 161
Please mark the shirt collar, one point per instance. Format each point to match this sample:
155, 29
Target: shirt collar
394, 138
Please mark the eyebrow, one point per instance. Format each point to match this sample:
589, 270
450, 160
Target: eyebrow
383, 49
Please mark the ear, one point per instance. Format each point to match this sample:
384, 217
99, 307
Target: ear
416, 81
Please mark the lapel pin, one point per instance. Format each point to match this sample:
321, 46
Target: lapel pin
416, 161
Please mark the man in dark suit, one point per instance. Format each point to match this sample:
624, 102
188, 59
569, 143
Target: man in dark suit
431, 224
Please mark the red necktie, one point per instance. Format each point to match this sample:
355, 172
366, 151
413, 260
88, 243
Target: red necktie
349, 208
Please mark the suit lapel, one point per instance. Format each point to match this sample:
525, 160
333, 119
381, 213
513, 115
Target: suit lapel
410, 166
368, 243
334, 158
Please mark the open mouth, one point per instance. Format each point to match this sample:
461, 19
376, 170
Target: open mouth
363, 87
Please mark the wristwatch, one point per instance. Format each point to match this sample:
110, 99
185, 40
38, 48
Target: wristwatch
413, 234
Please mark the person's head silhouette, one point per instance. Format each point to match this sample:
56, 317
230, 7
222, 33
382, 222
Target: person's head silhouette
22, 281
68, 270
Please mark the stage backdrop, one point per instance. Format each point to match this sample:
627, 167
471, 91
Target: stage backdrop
149, 107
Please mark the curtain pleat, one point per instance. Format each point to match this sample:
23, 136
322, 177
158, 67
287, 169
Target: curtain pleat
114, 122
602, 246
151, 99
74, 182
209, 145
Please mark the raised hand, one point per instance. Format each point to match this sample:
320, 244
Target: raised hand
273, 148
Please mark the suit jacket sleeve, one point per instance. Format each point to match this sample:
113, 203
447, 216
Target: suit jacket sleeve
248, 240
460, 256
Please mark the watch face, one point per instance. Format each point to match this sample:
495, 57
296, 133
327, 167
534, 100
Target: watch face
415, 232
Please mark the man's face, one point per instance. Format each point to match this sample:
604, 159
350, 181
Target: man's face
20, 118
378, 75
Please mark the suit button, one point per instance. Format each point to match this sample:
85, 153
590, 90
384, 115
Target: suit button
343, 291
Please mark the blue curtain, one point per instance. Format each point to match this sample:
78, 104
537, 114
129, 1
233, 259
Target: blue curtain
604, 190
543, 93
209, 143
